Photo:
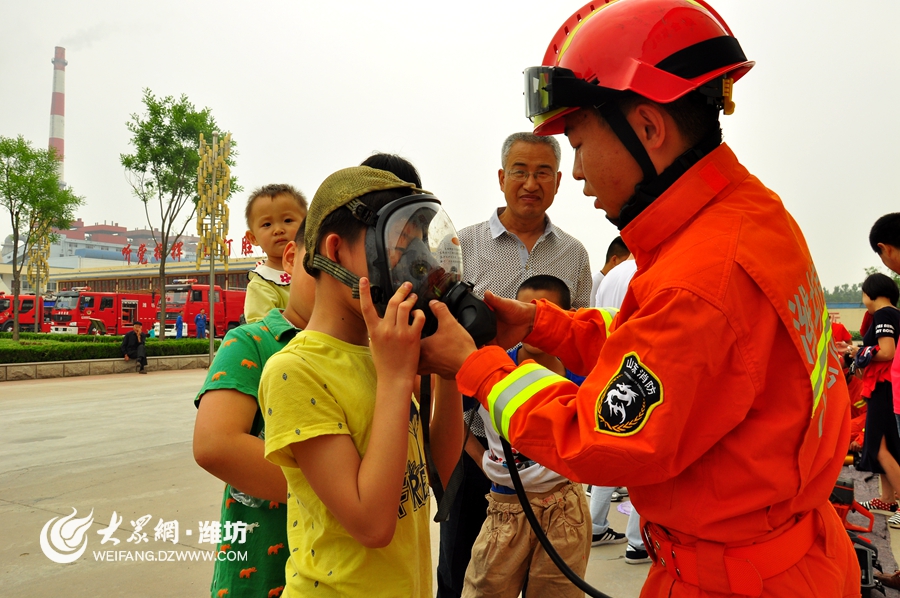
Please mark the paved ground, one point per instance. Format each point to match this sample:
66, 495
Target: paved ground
123, 443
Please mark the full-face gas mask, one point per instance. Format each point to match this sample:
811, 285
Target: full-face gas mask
414, 240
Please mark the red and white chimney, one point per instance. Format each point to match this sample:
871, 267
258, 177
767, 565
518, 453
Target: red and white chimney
58, 109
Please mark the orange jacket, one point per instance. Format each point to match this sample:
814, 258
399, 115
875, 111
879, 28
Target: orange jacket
715, 394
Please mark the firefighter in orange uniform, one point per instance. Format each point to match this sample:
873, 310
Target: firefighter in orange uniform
715, 394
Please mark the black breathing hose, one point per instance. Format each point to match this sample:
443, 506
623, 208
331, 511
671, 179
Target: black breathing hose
536, 526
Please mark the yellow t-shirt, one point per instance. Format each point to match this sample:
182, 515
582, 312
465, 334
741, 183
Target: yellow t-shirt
264, 295
320, 385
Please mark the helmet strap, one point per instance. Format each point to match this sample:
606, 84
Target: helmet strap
616, 120
648, 190
337, 272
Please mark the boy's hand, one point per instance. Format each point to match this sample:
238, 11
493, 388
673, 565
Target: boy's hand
393, 340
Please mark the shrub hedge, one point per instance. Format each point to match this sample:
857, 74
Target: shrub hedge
65, 338
74, 347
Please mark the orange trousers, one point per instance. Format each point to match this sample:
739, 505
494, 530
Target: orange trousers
829, 570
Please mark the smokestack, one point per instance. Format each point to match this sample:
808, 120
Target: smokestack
58, 110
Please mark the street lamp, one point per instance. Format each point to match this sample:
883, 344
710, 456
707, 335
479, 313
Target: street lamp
213, 189
38, 270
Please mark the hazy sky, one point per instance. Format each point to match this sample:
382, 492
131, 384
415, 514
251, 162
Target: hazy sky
307, 88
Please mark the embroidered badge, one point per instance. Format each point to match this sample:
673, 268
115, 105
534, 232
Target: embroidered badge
626, 403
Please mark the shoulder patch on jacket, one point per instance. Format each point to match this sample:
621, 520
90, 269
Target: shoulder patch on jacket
626, 403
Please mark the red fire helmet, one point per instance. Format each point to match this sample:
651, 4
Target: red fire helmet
658, 49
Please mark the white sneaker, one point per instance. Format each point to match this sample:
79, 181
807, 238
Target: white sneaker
610, 536
894, 521
619, 494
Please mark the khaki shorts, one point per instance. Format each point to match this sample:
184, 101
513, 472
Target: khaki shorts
507, 550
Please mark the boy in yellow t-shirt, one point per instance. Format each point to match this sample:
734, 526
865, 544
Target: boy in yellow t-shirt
273, 213
341, 420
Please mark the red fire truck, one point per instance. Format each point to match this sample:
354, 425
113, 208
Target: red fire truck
26, 313
83, 311
188, 298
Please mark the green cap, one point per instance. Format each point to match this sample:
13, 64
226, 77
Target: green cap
339, 190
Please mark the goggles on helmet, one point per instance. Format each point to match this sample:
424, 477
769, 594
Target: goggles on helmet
549, 90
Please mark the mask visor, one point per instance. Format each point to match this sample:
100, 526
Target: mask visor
422, 247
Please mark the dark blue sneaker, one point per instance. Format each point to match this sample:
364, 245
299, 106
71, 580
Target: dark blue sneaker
636, 556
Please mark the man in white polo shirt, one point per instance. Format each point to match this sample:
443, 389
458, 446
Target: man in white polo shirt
518, 241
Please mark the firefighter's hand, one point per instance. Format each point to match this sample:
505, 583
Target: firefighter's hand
444, 352
515, 319
855, 447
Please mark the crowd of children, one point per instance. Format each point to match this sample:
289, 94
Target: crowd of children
282, 485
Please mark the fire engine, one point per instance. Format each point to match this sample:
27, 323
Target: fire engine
83, 311
26, 312
188, 298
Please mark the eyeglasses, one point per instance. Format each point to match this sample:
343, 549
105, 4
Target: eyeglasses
541, 176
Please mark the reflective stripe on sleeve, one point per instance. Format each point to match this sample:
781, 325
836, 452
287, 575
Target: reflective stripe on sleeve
510, 393
608, 314
820, 368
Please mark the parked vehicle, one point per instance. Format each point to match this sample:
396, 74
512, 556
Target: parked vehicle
26, 312
82, 311
188, 298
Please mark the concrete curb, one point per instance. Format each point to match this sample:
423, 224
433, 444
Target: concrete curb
96, 367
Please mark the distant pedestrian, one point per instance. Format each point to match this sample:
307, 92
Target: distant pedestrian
200, 321
179, 324
134, 347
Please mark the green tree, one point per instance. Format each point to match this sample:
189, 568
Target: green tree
31, 193
162, 170
847, 293
885, 271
